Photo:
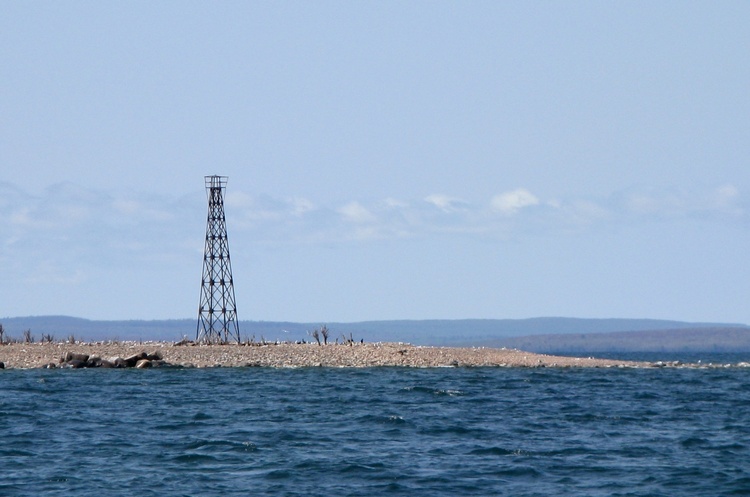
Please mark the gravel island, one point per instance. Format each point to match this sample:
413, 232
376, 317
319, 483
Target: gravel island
284, 355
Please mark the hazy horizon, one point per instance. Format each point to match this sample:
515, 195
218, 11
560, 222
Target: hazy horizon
425, 320
386, 160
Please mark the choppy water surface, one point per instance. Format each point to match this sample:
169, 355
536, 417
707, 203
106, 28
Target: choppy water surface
372, 432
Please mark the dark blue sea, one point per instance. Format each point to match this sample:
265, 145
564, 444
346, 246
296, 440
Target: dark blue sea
375, 432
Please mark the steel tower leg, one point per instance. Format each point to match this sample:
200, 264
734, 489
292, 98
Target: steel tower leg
217, 313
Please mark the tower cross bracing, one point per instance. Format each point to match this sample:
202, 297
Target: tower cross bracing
217, 313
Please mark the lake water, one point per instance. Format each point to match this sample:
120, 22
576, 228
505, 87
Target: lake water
374, 432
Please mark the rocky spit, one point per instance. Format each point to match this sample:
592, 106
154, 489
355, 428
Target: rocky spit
285, 355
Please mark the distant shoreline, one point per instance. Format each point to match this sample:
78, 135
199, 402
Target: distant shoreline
588, 337
287, 355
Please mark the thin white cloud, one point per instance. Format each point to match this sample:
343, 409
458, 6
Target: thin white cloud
727, 198
139, 210
727, 193
446, 203
394, 203
585, 212
355, 212
511, 202
126, 206
21, 217
73, 224
239, 200
652, 203
250, 211
253, 210
649, 203
301, 206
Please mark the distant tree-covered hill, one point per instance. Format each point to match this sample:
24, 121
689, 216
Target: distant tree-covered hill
548, 334
712, 339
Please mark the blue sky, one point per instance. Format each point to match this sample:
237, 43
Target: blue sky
386, 160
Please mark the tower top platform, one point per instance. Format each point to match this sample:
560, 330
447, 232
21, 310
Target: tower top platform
216, 181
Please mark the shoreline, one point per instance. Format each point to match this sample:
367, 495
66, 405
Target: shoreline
289, 355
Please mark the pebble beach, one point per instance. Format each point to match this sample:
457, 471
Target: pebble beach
288, 355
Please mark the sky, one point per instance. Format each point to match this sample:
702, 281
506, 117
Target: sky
386, 160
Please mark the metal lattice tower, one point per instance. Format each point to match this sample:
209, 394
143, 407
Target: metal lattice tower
217, 314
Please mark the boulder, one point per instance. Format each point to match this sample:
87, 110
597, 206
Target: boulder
94, 362
70, 356
119, 362
156, 356
132, 361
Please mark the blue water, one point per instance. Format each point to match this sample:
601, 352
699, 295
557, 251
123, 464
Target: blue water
704, 358
374, 432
